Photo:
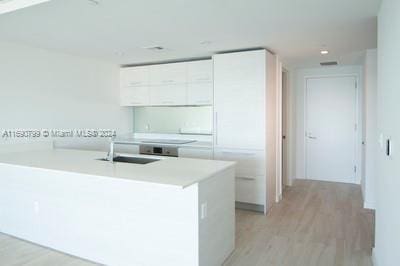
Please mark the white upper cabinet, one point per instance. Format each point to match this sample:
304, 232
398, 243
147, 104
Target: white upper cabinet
200, 94
200, 71
167, 74
134, 76
239, 100
134, 89
167, 95
200, 82
186, 83
135, 96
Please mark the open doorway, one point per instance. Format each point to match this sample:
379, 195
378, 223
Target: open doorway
282, 133
285, 124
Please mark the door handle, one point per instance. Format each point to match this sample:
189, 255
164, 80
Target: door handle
312, 137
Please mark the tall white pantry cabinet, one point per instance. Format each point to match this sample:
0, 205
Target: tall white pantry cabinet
245, 123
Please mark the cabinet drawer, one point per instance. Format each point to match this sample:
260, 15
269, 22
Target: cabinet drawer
251, 189
249, 162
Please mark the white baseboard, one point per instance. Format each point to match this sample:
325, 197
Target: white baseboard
279, 198
369, 205
374, 261
290, 182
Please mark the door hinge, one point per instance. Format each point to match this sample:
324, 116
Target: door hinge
355, 84
355, 169
355, 127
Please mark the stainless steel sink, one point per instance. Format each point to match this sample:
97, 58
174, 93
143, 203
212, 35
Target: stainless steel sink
135, 160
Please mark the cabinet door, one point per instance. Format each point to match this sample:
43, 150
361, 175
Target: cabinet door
200, 82
168, 74
200, 93
195, 153
200, 71
135, 96
239, 100
249, 162
174, 94
250, 189
250, 173
134, 76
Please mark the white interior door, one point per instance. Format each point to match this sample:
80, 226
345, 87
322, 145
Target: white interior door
331, 126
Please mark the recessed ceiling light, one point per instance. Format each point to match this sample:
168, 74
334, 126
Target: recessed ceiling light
94, 2
12, 5
324, 52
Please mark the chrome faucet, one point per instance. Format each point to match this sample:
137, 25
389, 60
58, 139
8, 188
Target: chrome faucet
111, 153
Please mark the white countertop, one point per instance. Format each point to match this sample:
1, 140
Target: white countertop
181, 172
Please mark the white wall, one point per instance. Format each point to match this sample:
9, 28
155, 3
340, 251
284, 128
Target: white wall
369, 128
42, 89
299, 91
387, 237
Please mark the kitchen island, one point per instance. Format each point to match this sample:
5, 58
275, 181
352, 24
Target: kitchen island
174, 211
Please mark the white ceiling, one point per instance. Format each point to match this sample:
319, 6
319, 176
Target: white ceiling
12, 5
116, 30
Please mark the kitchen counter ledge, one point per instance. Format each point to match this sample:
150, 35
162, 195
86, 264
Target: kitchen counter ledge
181, 172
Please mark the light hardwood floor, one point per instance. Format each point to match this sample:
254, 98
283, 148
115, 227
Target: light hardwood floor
317, 223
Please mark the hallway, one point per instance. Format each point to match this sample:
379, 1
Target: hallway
317, 223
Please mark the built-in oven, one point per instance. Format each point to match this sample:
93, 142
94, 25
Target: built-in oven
158, 150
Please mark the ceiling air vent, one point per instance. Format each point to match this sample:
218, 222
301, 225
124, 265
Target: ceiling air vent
331, 63
154, 48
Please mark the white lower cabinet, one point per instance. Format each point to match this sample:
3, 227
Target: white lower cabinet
249, 162
250, 189
197, 153
250, 173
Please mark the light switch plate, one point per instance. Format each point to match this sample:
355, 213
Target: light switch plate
36, 207
203, 210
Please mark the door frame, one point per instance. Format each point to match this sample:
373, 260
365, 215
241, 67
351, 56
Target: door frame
278, 151
285, 119
359, 122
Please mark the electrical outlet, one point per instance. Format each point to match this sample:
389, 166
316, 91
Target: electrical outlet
203, 210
